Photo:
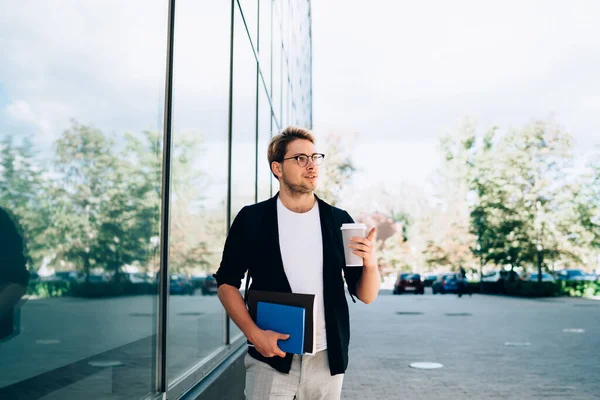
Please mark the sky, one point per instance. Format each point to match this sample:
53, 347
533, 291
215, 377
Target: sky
401, 73
397, 73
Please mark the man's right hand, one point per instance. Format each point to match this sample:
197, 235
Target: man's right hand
266, 343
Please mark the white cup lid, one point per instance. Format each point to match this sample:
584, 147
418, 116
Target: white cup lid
353, 226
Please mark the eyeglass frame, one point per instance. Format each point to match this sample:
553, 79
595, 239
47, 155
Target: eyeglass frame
311, 157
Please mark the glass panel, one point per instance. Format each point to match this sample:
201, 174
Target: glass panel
198, 181
264, 129
243, 177
274, 181
250, 10
265, 41
244, 117
277, 63
285, 119
81, 97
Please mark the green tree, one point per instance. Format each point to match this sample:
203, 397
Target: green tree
22, 191
88, 172
337, 170
446, 229
521, 213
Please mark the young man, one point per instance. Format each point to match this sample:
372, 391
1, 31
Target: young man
293, 243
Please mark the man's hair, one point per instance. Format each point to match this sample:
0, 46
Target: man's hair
279, 143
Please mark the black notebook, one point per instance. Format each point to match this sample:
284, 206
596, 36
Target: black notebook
306, 301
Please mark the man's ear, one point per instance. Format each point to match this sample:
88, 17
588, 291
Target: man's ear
276, 168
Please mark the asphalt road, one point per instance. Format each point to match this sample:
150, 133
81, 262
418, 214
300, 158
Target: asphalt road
61, 339
469, 337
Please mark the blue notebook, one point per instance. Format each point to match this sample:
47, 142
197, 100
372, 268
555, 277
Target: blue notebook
283, 319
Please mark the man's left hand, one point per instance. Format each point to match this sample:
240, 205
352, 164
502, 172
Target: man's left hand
364, 248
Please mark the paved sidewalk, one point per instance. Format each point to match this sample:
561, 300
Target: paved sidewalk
468, 337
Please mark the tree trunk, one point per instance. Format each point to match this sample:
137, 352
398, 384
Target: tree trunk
540, 263
86, 267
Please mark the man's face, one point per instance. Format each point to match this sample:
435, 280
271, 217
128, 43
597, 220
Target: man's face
299, 179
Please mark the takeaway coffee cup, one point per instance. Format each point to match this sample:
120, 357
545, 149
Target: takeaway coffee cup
348, 231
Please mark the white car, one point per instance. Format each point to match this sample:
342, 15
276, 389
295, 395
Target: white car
497, 275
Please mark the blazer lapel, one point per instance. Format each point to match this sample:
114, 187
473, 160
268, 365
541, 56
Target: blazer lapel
329, 235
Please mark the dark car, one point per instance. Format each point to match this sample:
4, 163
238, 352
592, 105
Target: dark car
198, 280
429, 279
446, 284
209, 286
180, 284
409, 283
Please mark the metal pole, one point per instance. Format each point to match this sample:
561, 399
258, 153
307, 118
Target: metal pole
226, 338
257, 105
163, 284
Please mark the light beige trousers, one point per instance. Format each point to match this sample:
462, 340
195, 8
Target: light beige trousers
309, 379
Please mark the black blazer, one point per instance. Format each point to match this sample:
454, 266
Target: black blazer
253, 244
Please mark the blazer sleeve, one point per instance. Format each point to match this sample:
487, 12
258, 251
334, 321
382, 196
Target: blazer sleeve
232, 268
352, 274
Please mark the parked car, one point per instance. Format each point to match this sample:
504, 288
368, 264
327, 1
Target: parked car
574, 275
429, 279
136, 277
180, 284
66, 276
400, 278
409, 283
34, 276
97, 278
198, 280
136, 282
499, 275
533, 277
209, 286
447, 283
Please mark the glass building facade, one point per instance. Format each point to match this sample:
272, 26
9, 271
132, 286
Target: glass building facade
131, 133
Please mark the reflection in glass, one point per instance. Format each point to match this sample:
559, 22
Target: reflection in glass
264, 135
80, 183
80, 176
198, 182
264, 49
276, 73
244, 121
250, 11
243, 178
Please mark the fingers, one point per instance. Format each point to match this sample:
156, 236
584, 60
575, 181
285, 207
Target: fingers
272, 353
280, 353
360, 253
281, 336
365, 240
272, 349
360, 242
360, 247
371, 234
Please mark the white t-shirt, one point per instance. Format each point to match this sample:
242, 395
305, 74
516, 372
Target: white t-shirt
301, 244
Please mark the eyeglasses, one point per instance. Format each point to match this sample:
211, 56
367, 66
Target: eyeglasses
302, 159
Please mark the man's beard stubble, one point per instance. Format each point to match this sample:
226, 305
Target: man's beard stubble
294, 189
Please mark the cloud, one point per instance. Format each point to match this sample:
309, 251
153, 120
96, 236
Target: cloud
20, 110
21, 118
105, 65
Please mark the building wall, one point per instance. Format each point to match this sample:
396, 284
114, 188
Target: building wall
131, 134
